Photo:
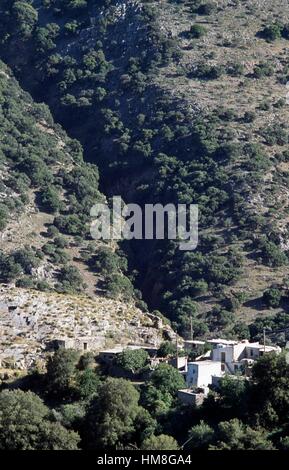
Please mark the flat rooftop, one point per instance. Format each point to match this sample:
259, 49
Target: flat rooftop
261, 347
205, 363
229, 342
194, 341
187, 391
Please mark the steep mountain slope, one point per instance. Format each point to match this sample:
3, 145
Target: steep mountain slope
177, 101
39, 168
47, 193
42, 179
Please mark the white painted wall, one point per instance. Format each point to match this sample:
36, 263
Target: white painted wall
252, 353
227, 350
200, 373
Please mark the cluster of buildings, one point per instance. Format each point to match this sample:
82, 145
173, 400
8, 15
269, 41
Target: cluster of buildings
230, 357
222, 357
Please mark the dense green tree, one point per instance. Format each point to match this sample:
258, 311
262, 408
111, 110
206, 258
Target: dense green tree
61, 370
109, 262
25, 425
167, 379
270, 393
9, 270
27, 258
156, 401
167, 348
118, 286
132, 360
53, 436
161, 442
71, 279
87, 383
86, 361
111, 415
234, 435
72, 414
200, 436
144, 425
233, 391
25, 16
272, 32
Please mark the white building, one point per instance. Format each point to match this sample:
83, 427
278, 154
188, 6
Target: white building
233, 354
226, 357
200, 373
180, 363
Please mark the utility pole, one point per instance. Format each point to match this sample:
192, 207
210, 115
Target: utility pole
192, 331
177, 351
264, 339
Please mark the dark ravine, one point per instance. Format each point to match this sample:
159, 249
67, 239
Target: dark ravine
103, 83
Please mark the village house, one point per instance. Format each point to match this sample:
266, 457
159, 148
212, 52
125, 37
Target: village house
200, 373
226, 357
107, 356
234, 355
192, 397
179, 362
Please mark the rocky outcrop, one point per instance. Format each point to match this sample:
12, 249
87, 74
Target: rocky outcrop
31, 322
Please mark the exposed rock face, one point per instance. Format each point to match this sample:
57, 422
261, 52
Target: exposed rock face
31, 322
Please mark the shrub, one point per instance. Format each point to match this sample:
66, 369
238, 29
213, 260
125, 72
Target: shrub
118, 286
43, 286
49, 199
207, 8
60, 242
272, 254
196, 31
71, 224
161, 442
272, 32
263, 70
285, 31
207, 72
9, 269
249, 116
107, 262
228, 115
235, 70
27, 258
167, 348
272, 297
71, 280
25, 282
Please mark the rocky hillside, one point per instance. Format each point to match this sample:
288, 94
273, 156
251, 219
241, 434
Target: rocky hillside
63, 268
177, 101
32, 323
